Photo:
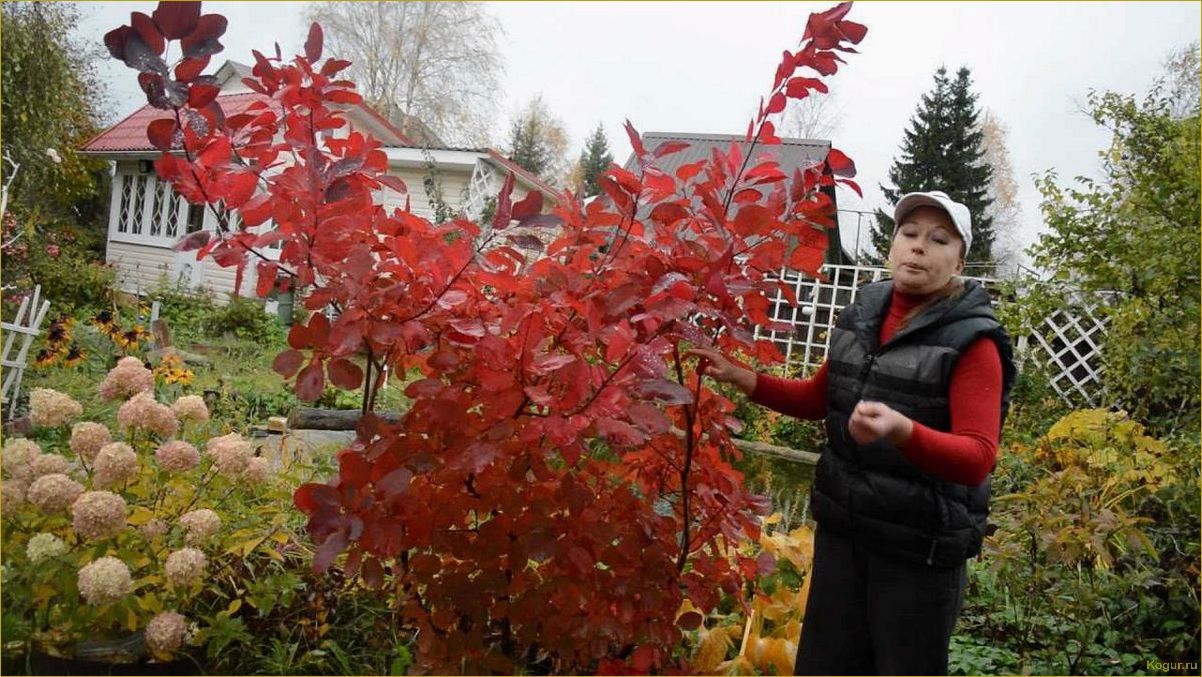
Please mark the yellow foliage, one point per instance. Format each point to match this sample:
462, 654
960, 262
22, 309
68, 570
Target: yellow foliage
739, 665
775, 653
712, 647
1108, 442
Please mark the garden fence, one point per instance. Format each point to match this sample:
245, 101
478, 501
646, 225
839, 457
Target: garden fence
22, 330
1068, 342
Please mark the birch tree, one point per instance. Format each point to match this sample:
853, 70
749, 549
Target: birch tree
433, 62
1004, 210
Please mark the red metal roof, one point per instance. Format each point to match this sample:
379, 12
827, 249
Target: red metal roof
520, 171
129, 135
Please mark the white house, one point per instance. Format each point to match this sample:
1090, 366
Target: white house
146, 217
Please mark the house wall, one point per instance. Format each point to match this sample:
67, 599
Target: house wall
453, 181
139, 267
142, 257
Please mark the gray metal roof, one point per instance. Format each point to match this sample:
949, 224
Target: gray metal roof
790, 153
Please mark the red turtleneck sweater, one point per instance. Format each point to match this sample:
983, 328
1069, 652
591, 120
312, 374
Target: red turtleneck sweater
966, 455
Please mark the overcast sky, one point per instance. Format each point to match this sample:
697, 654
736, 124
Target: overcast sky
702, 66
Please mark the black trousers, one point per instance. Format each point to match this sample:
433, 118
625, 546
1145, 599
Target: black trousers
869, 614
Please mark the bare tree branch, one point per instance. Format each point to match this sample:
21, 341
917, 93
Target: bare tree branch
421, 63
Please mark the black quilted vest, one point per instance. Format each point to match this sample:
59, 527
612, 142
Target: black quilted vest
872, 492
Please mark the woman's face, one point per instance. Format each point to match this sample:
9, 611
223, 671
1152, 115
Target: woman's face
927, 251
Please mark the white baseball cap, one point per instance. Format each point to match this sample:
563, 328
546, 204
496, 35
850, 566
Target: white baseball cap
937, 198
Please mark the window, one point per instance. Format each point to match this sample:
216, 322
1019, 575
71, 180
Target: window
123, 215
136, 218
173, 213
196, 218
162, 190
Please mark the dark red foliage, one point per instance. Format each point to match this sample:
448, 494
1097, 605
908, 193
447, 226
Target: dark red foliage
562, 480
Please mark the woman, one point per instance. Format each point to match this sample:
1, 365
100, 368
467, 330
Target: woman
914, 390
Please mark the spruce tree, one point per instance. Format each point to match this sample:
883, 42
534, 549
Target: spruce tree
942, 151
526, 146
594, 159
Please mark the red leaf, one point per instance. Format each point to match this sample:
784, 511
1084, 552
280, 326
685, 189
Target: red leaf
286, 363
256, 210
636, 141
203, 41
855, 32
237, 187
668, 213
115, 41
799, 88
752, 219
319, 330
265, 278
686, 172
642, 659
768, 133
149, 33
312, 498
344, 373
627, 181
392, 182
669, 147
200, 95
193, 241
853, 185
840, 164
777, 103
504, 213
334, 544
191, 68
531, 205
176, 19
216, 153
161, 133
668, 392
661, 185
333, 66
314, 43
810, 252
310, 382
345, 338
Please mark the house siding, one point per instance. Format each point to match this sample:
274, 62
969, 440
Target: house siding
454, 184
139, 267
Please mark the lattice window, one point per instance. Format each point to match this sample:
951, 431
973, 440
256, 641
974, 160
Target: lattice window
137, 216
173, 213
161, 190
196, 218
123, 215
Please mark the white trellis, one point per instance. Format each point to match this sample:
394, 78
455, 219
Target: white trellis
21, 330
479, 188
1068, 342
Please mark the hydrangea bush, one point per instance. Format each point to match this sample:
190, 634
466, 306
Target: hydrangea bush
124, 531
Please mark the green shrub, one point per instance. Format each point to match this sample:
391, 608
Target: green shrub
73, 282
245, 319
1093, 567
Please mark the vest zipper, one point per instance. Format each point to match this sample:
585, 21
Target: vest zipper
864, 374
931, 554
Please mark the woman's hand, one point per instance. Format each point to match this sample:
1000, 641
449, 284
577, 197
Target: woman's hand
870, 421
716, 366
